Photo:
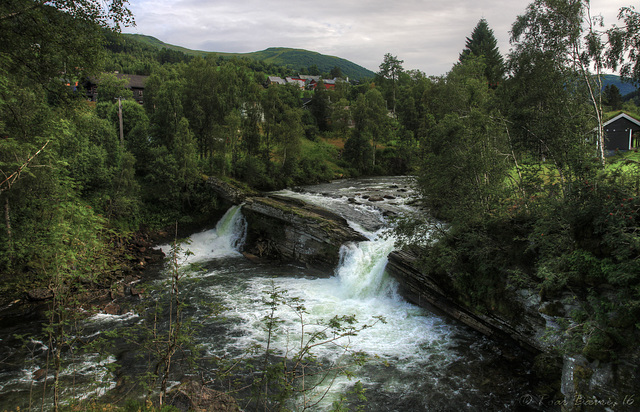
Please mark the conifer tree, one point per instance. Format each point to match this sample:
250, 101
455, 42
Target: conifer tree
483, 43
612, 96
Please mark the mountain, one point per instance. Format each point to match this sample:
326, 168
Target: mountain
624, 87
294, 59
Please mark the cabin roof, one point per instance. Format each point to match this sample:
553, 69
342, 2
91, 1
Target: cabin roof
622, 116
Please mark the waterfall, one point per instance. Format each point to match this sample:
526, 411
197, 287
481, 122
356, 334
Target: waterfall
225, 240
361, 271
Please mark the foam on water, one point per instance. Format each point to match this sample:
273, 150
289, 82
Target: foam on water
224, 240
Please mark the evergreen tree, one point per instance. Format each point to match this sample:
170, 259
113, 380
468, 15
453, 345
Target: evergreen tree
336, 72
320, 106
483, 43
612, 96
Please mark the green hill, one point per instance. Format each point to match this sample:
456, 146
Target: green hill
624, 87
294, 59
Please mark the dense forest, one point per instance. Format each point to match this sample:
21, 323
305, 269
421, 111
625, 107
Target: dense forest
508, 151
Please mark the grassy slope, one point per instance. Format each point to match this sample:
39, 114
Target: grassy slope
292, 58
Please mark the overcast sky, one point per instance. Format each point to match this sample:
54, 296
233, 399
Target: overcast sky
427, 34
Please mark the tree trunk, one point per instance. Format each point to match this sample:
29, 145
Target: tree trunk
7, 221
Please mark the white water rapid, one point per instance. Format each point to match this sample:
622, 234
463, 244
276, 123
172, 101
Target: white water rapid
222, 241
417, 361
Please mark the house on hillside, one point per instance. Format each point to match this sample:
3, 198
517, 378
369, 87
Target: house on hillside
304, 82
621, 133
135, 83
275, 80
329, 84
299, 83
309, 78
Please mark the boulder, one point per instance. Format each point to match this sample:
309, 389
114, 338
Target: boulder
112, 308
39, 374
289, 229
39, 294
194, 396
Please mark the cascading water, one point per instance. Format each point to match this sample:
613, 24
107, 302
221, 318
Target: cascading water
224, 240
419, 361
362, 269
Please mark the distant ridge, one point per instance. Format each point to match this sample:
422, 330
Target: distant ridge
294, 59
624, 87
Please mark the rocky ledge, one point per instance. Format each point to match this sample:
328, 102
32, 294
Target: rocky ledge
583, 385
289, 229
527, 330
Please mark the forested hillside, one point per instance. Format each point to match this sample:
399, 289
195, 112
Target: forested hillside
624, 86
295, 60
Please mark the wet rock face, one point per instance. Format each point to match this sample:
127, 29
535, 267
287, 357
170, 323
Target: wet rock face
581, 384
527, 329
599, 386
287, 229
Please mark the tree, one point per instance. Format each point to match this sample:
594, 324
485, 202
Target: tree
275, 103
390, 69
336, 72
320, 106
483, 43
371, 125
463, 170
40, 40
135, 128
289, 132
413, 97
185, 152
624, 44
166, 112
613, 97
111, 88
564, 33
314, 70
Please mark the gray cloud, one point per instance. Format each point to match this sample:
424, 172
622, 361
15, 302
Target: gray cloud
427, 34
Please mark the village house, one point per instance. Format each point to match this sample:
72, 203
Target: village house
275, 80
621, 133
304, 82
135, 83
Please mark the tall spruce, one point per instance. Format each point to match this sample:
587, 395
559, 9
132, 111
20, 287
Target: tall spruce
483, 43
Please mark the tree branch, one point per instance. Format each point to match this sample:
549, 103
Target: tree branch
11, 179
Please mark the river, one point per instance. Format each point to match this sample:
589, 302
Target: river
416, 361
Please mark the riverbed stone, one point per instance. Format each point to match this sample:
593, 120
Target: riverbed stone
39, 294
194, 396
